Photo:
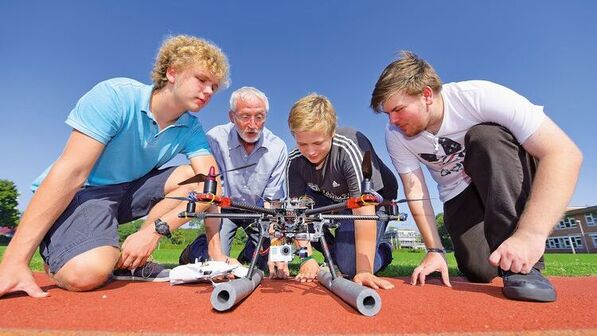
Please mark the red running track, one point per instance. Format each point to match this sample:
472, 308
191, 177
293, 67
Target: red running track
289, 307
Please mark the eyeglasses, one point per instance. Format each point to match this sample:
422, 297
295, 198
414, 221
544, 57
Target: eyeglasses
258, 118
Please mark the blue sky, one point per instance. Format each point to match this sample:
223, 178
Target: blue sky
53, 52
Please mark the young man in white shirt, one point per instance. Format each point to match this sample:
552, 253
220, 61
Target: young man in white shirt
505, 173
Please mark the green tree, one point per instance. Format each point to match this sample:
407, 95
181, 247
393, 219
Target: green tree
128, 229
9, 214
443, 232
178, 237
240, 238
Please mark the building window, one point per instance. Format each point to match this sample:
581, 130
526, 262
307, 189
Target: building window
564, 242
567, 223
576, 241
591, 218
554, 243
594, 238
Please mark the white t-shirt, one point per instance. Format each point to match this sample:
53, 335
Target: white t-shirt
466, 104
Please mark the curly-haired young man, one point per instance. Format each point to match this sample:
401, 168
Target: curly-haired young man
123, 131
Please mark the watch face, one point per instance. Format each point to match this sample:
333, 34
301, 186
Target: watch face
162, 228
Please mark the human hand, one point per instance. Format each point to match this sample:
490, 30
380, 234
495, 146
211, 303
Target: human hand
228, 260
519, 253
433, 262
278, 269
17, 277
308, 271
371, 280
137, 248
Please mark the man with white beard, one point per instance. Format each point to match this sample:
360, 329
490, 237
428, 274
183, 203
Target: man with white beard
243, 141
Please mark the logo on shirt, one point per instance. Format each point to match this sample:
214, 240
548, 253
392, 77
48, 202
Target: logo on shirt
449, 163
335, 184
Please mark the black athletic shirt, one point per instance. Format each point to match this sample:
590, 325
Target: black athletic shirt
341, 175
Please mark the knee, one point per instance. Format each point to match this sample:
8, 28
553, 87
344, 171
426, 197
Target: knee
479, 275
489, 145
81, 279
182, 173
486, 135
88, 270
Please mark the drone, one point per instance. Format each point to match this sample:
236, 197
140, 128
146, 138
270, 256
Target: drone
287, 220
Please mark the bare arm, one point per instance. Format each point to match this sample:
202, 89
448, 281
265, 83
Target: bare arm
137, 248
202, 164
422, 211
557, 172
52, 197
365, 239
365, 232
424, 217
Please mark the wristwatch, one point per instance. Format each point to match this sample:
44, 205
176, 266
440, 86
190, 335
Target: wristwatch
162, 228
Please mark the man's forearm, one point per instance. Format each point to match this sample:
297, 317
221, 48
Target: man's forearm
48, 203
365, 244
424, 218
212, 231
552, 189
428, 228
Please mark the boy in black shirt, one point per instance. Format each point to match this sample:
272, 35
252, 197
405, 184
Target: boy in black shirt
326, 166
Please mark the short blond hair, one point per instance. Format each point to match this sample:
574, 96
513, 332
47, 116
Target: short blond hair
312, 112
408, 74
183, 50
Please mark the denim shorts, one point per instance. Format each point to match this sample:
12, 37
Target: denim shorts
91, 219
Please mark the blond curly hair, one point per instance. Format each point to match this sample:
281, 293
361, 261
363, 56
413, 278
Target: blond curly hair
183, 50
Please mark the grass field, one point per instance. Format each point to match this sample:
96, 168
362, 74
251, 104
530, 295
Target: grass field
403, 264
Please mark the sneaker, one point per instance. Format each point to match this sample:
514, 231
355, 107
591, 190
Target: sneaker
151, 272
528, 287
246, 255
197, 250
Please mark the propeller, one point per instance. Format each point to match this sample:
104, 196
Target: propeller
180, 198
211, 175
191, 198
404, 200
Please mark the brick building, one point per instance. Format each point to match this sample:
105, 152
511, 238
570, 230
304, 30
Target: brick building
576, 232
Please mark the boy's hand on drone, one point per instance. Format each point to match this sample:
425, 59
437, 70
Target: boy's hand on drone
308, 271
278, 269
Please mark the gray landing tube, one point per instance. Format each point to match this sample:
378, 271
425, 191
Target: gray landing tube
363, 299
227, 294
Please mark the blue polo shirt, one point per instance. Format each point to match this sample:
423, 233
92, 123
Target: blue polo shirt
253, 184
116, 113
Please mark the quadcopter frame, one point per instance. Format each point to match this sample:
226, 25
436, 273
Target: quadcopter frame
290, 219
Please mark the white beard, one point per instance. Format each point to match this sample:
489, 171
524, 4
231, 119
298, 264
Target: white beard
245, 138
